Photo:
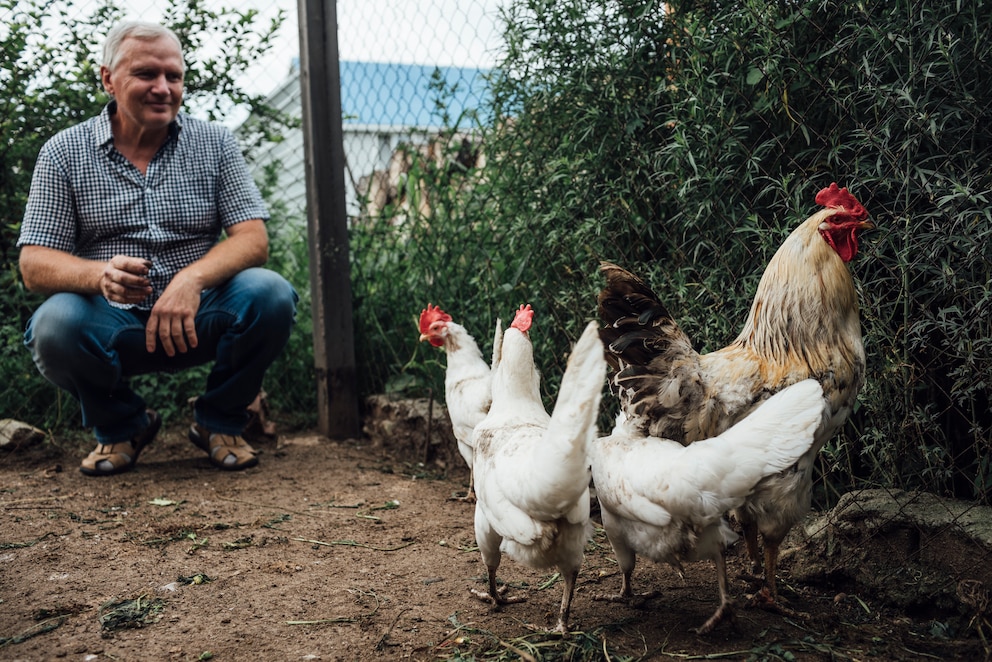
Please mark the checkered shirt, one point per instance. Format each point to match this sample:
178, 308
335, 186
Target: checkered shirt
88, 200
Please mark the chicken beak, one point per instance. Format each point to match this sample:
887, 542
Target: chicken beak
866, 225
423, 337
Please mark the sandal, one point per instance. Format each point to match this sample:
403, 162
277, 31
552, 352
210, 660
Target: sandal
227, 451
110, 459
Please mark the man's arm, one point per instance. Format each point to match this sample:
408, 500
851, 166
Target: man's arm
246, 245
172, 318
49, 270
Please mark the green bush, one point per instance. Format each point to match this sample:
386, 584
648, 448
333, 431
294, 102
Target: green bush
685, 140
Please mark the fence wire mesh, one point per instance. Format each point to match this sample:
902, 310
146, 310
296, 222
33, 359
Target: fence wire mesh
497, 150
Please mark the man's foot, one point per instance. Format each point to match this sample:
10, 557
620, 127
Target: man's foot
228, 452
110, 459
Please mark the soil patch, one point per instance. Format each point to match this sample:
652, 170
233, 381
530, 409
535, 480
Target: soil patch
338, 550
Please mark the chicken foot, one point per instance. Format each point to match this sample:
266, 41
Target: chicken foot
726, 607
767, 597
626, 594
469, 496
497, 596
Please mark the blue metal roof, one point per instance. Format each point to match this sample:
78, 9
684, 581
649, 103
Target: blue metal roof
381, 93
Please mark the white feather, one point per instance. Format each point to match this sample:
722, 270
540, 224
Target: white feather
666, 501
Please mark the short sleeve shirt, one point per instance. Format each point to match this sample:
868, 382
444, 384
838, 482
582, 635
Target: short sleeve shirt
88, 200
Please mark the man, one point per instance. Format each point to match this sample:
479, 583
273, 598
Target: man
122, 229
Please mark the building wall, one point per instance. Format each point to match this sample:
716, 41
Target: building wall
383, 105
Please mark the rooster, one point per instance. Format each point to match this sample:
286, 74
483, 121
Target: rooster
467, 378
531, 469
666, 501
803, 324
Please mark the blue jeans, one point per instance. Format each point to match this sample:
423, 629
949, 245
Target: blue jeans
89, 348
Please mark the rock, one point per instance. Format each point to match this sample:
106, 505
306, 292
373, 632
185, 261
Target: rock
15, 434
417, 429
909, 549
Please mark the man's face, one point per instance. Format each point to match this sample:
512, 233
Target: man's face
147, 83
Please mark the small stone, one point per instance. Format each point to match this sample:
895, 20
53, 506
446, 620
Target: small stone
16, 434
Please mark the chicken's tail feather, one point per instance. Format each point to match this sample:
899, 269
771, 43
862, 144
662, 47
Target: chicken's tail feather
573, 423
497, 344
582, 384
637, 325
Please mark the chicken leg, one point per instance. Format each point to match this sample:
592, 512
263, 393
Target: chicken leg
726, 606
763, 569
767, 596
568, 591
626, 559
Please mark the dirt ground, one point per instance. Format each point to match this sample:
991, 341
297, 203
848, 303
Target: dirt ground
343, 551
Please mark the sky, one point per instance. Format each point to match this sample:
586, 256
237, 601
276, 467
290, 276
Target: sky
462, 33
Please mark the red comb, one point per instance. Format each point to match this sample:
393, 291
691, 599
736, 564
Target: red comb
523, 318
836, 197
432, 314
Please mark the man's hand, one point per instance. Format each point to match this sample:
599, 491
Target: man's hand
173, 316
125, 279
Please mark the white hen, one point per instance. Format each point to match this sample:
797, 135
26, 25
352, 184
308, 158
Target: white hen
467, 378
531, 469
666, 501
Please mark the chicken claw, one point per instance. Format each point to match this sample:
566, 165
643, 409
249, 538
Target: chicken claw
468, 497
498, 597
724, 611
632, 600
763, 599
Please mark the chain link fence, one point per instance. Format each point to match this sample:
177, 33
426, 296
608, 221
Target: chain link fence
497, 150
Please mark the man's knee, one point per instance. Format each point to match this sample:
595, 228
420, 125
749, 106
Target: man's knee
271, 295
57, 324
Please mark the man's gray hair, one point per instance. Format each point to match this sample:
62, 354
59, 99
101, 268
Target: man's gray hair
143, 30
